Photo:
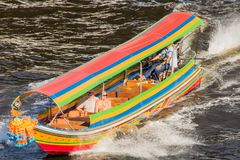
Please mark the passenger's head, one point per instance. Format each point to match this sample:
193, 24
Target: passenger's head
104, 95
90, 93
177, 41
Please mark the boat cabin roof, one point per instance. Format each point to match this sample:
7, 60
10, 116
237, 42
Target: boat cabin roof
75, 83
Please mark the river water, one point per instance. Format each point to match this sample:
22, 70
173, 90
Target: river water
40, 40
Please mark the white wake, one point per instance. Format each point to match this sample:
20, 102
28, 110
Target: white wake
3, 135
38, 84
168, 136
225, 37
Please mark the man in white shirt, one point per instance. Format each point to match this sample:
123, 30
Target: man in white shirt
89, 105
170, 61
173, 64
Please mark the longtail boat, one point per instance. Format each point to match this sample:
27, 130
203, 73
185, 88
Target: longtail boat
62, 129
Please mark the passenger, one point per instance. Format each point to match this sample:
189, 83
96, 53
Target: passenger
169, 60
89, 105
175, 49
104, 103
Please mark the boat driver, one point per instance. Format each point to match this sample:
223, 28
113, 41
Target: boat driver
89, 105
169, 60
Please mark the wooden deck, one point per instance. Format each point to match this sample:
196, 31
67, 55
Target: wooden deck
117, 96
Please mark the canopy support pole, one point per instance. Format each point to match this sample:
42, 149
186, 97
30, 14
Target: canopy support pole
103, 87
141, 75
196, 49
125, 78
54, 117
65, 118
49, 109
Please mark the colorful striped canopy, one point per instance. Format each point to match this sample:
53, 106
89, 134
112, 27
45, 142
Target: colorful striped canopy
73, 84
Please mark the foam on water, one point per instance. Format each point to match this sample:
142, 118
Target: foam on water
228, 84
38, 84
3, 135
223, 49
172, 135
226, 36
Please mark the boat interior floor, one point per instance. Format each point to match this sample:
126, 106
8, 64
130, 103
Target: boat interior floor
74, 120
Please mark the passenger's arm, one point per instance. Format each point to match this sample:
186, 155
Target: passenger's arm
165, 61
80, 107
97, 106
168, 59
110, 104
156, 57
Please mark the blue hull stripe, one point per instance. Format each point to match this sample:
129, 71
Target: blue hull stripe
146, 101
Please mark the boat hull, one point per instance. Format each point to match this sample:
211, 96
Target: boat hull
63, 149
54, 141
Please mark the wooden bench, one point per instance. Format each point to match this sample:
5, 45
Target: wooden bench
112, 93
74, 113
132, 83
62, 124
127, 94
130, 91
117, 101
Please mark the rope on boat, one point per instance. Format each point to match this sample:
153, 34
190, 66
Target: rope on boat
20, 129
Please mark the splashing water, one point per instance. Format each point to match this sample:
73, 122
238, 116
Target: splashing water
225, 37
3, 135
172, 135
156, 139
38, 84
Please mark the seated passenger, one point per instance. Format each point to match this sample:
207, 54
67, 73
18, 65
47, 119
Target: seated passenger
89, 105
175, 50
169, 60
103, 103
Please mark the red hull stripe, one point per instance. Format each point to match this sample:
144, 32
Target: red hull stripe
194, 86
63, 149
